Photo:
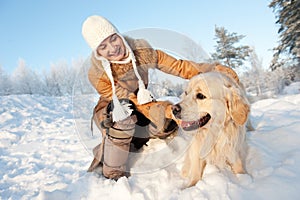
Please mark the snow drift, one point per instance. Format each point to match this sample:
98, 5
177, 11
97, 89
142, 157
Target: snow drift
43, 157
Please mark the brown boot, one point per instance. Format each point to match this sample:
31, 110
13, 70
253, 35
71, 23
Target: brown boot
98, 153
116, 151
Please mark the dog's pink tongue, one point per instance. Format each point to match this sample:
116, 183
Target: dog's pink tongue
185, 124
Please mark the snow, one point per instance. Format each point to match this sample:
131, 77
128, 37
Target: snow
42, 156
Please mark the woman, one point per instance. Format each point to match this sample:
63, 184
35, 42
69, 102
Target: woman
119, 72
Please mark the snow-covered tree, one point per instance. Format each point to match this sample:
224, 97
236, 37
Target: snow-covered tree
68, 75
288, 17
227, 51
25, 80
5, 84
81, 83
60, 80
257, 71
52, 84
169, 85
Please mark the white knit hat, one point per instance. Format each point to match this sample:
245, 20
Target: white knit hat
95, 29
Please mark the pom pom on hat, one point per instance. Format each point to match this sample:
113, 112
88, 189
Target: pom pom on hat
95, 29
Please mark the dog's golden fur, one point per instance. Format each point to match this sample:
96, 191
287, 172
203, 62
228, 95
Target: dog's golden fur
214, 110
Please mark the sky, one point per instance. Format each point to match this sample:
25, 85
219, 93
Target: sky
49, 31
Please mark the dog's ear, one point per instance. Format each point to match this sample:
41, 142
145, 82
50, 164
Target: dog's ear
238, 105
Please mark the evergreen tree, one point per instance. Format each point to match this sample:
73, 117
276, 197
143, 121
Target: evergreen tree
227, 52
288, 17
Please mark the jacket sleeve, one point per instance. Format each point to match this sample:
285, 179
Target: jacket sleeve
187, 69
184, 68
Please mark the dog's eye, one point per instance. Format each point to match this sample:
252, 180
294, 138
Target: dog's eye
200, 96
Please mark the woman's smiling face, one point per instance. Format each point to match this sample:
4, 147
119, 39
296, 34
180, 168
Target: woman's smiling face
112, 48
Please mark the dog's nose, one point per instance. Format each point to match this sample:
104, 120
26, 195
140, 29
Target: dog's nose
176, 110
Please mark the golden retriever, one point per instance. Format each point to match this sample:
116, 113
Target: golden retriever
214, 110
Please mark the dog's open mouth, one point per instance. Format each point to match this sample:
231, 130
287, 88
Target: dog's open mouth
192, 125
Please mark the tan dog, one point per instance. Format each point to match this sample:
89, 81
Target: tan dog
214, 110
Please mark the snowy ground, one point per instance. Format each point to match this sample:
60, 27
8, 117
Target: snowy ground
43, 157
